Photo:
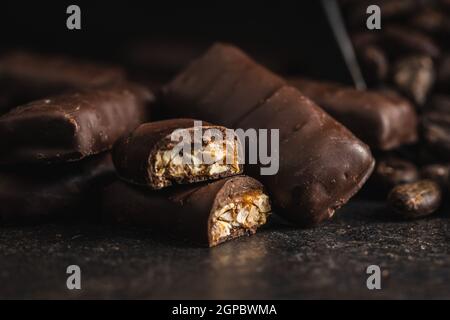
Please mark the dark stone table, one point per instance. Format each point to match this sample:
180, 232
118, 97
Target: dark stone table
279, 262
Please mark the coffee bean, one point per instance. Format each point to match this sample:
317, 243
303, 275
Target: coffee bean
437, 172
436, 132
414, 76
414, 200
392, 171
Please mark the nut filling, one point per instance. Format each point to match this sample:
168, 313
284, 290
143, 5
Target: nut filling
202, 163
243, 214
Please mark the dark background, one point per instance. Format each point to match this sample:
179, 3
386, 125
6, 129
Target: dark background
290, 37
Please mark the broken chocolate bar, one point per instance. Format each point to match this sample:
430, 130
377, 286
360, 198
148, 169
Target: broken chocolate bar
383, 121
221, 87
322, 164
35, 76
154, 153
37, 194
207, 214
71, 126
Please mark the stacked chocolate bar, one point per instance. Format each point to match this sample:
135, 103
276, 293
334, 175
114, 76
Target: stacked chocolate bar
409, 55
55, 149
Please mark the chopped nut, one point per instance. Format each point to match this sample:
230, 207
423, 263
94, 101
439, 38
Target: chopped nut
209, 160
244, 213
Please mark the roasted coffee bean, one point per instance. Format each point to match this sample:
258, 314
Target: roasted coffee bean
436, 132
439, 102
437, 172
402, 40
414, 200
431, 21
443, 74
393, 171
374, 63
414, 76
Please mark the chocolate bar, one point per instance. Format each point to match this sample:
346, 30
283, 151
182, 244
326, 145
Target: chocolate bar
71, 126
384, 121
37, 194
207, 214
321, 163
153, 153
221, 87
35, 76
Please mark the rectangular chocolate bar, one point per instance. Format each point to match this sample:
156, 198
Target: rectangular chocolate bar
207, 214
71, 126
321, 164
37, 194
177, 151
34, 76
383, 121
221, 87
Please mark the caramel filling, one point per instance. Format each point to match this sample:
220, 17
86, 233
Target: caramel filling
243, 214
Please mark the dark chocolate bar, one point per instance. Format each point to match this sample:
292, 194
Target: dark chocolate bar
71, 126
383, 121
35, 76
151, 155
37, 194
321, 163
221, 87
207, 214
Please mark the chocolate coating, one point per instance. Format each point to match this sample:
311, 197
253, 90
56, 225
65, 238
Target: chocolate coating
383, 121
184, 213
134, 154
221, 86
322, 164
38, 194
71, 126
